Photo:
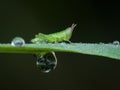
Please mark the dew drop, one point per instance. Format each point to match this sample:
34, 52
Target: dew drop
116, 43
101, 43
47, 62
18, 42
62, 43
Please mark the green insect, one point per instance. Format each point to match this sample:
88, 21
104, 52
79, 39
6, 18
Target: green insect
61, 36
47, 61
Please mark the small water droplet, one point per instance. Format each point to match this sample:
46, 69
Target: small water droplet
101, 43
62, 43
18, 42
47, 62
116, 43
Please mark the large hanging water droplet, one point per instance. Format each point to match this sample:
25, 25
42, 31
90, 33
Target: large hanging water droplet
18, 42
47, 62
116, 43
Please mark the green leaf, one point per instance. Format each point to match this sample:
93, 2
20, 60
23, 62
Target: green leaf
106, 50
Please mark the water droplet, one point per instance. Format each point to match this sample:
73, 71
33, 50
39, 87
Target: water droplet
116, 43
62, 43
18, 42
47, 62
101, 43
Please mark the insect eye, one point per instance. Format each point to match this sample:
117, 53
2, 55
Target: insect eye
47, 62
18, 42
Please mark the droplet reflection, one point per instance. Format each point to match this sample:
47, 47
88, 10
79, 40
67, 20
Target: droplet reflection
18, 42
47, 62
116, 43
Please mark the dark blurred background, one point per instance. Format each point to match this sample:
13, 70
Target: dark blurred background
96, 22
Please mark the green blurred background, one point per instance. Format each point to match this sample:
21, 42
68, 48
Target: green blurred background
96, 22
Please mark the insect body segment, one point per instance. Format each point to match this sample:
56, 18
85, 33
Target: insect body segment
61, 36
